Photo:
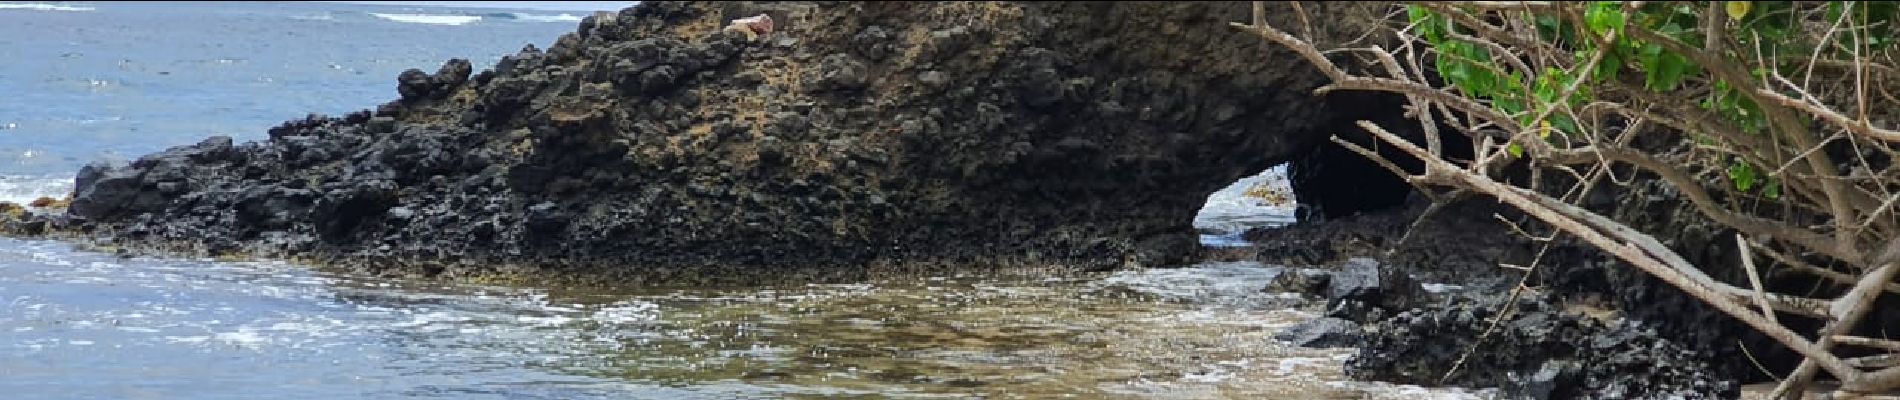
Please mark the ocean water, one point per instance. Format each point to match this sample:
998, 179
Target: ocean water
82, 82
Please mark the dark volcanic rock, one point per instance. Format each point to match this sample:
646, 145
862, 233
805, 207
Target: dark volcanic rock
1322, 332
1539, 351
1299, 280
1554, 378
1363, 291
1078, 134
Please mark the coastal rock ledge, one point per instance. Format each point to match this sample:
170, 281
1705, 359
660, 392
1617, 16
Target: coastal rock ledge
851, 133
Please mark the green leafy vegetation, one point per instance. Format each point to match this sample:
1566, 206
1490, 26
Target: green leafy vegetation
1764, 27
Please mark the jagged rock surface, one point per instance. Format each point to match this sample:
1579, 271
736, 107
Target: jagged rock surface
1081, 133
1539, 351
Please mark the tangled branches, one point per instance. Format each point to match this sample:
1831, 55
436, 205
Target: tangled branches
1776, 119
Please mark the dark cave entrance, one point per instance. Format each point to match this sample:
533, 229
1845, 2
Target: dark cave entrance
1326, 181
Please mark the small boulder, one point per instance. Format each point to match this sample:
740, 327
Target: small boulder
1302, 281
104, 192
840, 72
453, 73
1555, 379
1322, 333
1168, 250
546, 218
1362, 280
413, 84
213, 150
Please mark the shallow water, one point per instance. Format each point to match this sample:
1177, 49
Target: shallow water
77, 324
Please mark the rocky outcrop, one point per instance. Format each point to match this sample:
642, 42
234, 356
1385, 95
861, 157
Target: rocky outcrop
1538, 351
1561, 340
1062, 133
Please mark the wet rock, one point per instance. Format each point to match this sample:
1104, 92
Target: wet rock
1322, 332
1165, 250
1362, 282
1532, 349
108, 192
1304, 281
1556, 379
91, 173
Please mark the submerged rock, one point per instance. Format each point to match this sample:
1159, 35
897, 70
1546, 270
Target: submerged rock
1322, 332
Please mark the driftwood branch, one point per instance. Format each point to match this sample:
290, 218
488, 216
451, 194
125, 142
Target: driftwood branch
1754, 279
1891, 345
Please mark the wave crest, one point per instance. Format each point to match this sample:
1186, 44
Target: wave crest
24, 189
563, 17
432, 19
42, 7
314, 17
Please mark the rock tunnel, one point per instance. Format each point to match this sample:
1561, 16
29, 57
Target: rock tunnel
1089, 132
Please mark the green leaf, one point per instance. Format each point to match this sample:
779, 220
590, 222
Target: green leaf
1604, 17
1514, 150
1563, 123
1772, 189
1743, 175
1611, 65
1668, 72
1509, 106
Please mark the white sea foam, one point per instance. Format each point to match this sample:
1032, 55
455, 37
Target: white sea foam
432, 19
42, 7
314, 17
545, 18
24, 189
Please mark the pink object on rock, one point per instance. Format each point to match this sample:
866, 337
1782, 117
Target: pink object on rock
760, 24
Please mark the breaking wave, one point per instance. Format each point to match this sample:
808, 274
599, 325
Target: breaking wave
431, 19
564, 17
42, 7
24, 189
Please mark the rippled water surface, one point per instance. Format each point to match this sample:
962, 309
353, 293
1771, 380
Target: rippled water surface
88, 81
88, 325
